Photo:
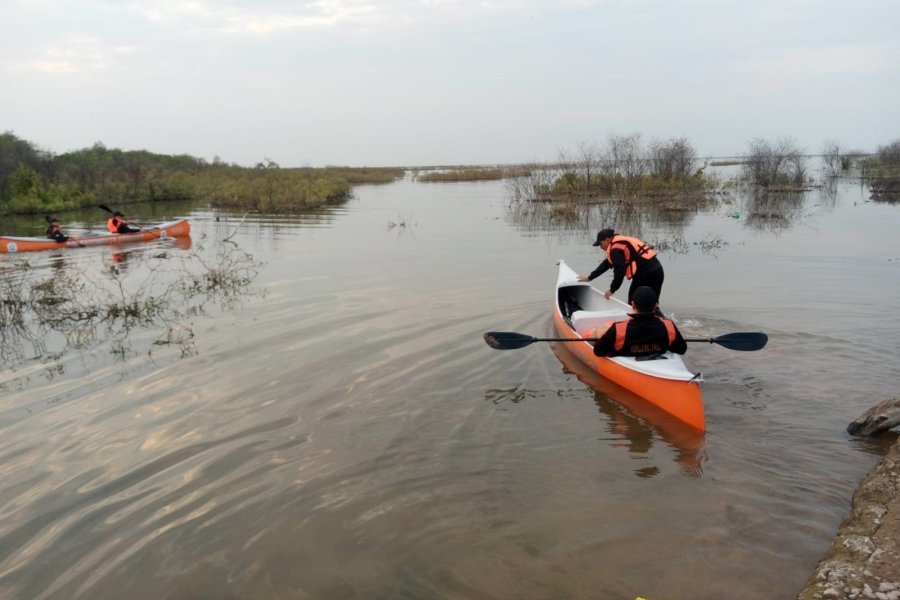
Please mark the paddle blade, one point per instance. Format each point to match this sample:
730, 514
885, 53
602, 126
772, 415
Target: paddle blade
746, 342
507, 340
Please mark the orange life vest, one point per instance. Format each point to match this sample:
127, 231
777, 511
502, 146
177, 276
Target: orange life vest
112, 225
633, 249
597, 332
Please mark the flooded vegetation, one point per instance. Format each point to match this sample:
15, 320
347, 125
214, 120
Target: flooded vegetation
882, 171
629, 186
622, 168
136, 301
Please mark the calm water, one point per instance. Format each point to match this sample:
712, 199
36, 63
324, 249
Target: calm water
339, 429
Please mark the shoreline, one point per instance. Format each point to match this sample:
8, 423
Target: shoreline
864, 558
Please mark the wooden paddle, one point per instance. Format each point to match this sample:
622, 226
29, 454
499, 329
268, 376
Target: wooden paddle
508, 340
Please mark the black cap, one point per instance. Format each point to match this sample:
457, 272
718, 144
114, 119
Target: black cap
118, 214
602, 235
644, 299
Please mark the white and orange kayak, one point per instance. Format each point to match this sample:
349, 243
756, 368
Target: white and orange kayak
664, 382
173, 229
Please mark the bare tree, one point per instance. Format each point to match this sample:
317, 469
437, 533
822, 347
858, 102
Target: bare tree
625, 158
588, 162
568, 177
831, 157
768, 163
672, 159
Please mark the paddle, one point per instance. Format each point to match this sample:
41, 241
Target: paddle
508, 340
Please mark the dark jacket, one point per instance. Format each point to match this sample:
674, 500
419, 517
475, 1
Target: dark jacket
645, 334
55, 233
619, 265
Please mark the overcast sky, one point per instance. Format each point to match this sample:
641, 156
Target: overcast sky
423, 82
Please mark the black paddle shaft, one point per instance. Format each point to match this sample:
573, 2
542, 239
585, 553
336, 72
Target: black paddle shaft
508, 340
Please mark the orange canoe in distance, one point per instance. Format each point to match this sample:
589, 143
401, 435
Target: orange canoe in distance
172, 229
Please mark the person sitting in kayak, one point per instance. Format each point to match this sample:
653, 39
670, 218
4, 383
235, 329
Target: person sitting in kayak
118, 224
627, 257
644, 333
54, 232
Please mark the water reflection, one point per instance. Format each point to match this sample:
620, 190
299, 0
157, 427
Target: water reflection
772, 212
886, 190
52, 305
636, 422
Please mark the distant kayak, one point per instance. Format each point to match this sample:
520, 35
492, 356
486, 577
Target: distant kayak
172, 229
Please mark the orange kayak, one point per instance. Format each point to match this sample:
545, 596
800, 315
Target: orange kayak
172, 229
665, 383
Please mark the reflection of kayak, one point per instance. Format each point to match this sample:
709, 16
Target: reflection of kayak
634, 419
665, 382
172, 229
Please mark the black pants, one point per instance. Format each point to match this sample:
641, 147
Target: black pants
650, 274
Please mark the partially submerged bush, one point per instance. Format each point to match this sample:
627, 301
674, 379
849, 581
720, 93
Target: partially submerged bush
775, 164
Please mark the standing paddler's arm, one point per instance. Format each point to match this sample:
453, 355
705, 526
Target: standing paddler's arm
618, 267
600, 270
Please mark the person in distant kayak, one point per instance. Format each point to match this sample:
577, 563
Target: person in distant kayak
118, 224
54, 231
643, 333
630, 258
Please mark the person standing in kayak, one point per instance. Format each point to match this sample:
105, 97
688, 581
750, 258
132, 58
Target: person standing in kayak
643, 333
630, 258
54, 231
118, 224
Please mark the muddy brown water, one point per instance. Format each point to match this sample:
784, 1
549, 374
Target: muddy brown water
343, 431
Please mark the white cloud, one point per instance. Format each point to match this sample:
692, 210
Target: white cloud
272, 17
76, 54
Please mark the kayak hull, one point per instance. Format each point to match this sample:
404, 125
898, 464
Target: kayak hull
173, 229
665, 383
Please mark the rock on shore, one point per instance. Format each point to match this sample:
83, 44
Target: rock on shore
864, 559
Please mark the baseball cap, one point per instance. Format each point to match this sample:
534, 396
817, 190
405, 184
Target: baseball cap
602, 235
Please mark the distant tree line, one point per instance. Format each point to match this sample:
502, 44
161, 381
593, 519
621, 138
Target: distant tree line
473, 174
35, 181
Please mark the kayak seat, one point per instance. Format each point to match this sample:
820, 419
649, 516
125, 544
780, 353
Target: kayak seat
584, 320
